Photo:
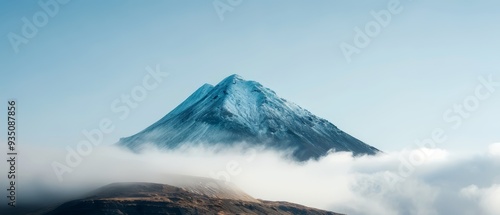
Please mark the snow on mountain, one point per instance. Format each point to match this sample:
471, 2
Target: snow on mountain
237, 110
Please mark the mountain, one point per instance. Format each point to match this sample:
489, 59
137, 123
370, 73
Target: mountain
152, 198
237, 110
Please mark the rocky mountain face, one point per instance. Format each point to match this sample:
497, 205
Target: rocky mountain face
236, 111
150, 199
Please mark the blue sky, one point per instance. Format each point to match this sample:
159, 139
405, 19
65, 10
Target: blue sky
427, 59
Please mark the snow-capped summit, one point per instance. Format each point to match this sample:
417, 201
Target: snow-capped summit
237, 110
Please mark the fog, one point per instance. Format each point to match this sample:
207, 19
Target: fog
418, 181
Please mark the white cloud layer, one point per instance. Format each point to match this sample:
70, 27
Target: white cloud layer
494, 149
420, 181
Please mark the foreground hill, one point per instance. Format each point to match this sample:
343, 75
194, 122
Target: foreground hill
151, 198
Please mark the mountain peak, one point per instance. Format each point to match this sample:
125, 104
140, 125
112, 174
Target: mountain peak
235, 77
230, 80
237, 110
236, 81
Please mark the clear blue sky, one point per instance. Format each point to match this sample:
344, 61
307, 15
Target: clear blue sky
395, 91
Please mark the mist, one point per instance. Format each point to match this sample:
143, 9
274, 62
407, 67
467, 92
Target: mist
418, 181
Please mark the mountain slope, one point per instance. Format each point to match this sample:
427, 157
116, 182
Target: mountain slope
150, 198
236, 110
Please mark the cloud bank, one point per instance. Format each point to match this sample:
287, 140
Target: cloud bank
444, 183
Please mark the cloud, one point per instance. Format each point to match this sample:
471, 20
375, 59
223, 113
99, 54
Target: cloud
419, 181
486, 198
494, 149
